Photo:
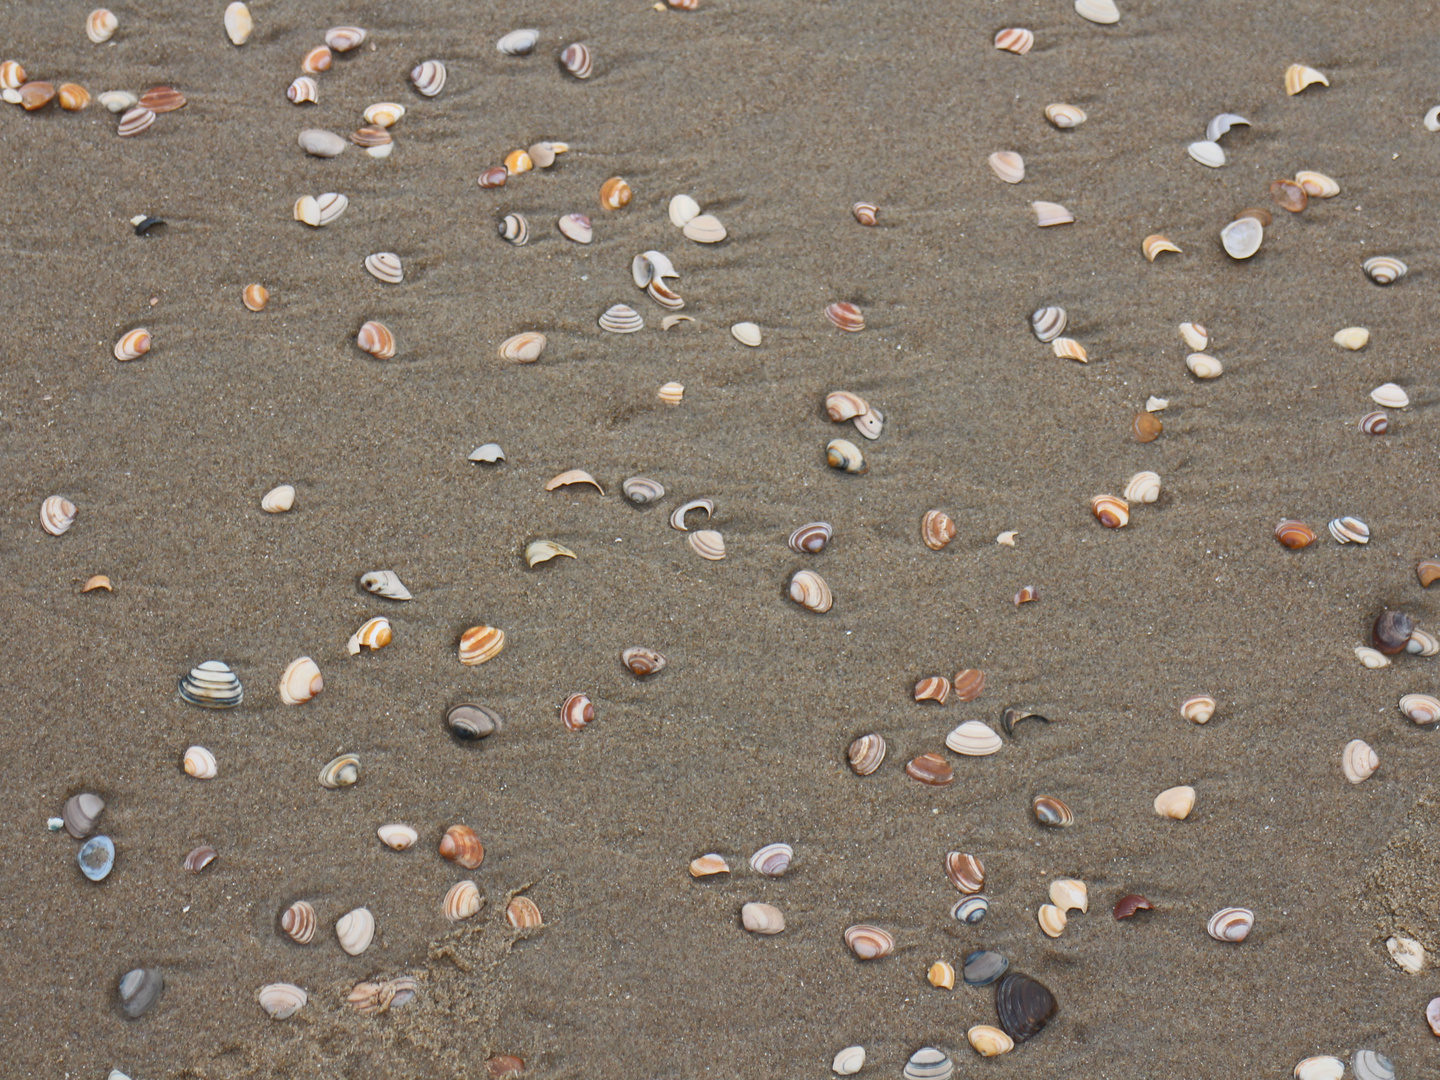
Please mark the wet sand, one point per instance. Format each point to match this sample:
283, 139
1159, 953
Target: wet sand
776, 117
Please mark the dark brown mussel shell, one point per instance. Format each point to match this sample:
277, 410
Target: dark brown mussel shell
1128, 905
1010, 717
1392, 632
1024, 1006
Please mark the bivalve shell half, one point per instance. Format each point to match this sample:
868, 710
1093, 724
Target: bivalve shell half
72, 97
1372, 1065
1027, 594
844, 455
373, 634
304, 90
299, 922
621, 319
281, 1000
1320, 1068
642, 491
1195, 335
1317, 185
376, 339
385, 583
577, 712
966, 872
843, 405
1371, 658
1143, 487
1065, 116
317, 60
1198, 709
930, 769
1428, 572
708, 544
974, 738
1155, 245
518, 42
1070, 349
927, 1063
523, 348
355, 930
1432, 123
301, 681
969, 684
576, 227
1349, 530
1390, 396
615, 193
933, 688
494, 177
133, 344
515, 229
866, 753
577, 60
480, 643
810, 539
80, 814
1231, 924
519, 161
970, 909
344, 38
199, 858
808, 589
762, 918
57, 515
1408, 954
573, 476
1375, 423
340, 772
461, 845
1052, 811
139, 990
1176, 802
384, 113
983, 967
212, 685
1353, 338
1206, 153
1049, 323
682, 210
1007, 166
239, 24
1358, 761
1422, 643
1049, 213
1111, 511
255, 297
1384, 269
12, 75
851, 1060
116, 101
705, 229
199, 763
772, 860
429, 77
278, 499
846, 316
36, 95
1015, 39
397, 837
1242, 237
1294, 534
1298, 77
642, 661
522, 913
1023, 1005
1204, 366
747, 333
469, 721
989, 1041
672, 393
936, 529
1421, 708
96, 857
1391, 631
941, 975
1103, 12
99, 581
1128, 905
1052, 920
1070, 894
866, 213
869, 942
100, 25
709, 865
378, 997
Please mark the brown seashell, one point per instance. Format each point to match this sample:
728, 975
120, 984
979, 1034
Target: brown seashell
846, 316
1026, 595
373, 634
162, 99
615, 193
1129, 905
709, 865
1392, 631
843, 405
869, 942
1111, 511
811, 539
1258, 213
481, 643
494, 177
573, 476
132, 345
522, 914
371, 135
99, 581
936, 529
376, 339
1015, 39
1289, 195
1198, 709
1024, 1006
642, 661
36, 95
577, 711
317, 60
503, 1066
460, 844
12, 75
930, 769
969, 684
966, 872
72, 97
134, 121
378, 997
934, 688
462, 901
255, 297
200, 858
299, 922
1375, 423
809, 590
304, 89
1294, 534
866, 753
865, 213
1051, 811
1146, 427
1428, 571
429, 77
576, 60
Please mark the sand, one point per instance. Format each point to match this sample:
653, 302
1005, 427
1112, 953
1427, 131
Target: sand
776, 117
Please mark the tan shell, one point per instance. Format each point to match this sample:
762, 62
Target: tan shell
573, 476
1358, 761
1007, 166
808, 589
1155, 245
708, 865
1317, 185
72, 97
317, 60
539, 551
1070, 894
57, 514
762, 918
1371, 658
865, 213
846, 316
304, 90
1049, 213
869, 942
941, 975
1242, 237
615, 193
299, 922
133, 344
1298, 77
708, 544
705, 229
278, 499
376, 339
281, 1000
342, 771
301, 681
672, 393
1052, 920
1065, 116
1353, 338
373, 634
1143, 487
524, 348
199, 763
99, 581
255, 297
1111, 511
462, 900
1175, 802
843, 405
397, 837
936, 529
866, 753
1070, 349
933, 688
989, 1041
1194, 335
1198, 709
1204, 366
238, 23
974, 738
523, 914
480, 643
384, 113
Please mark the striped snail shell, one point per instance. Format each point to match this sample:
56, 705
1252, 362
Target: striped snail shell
462, 845
462, 900
811, 539
577, 61
57, 514
808, 589
1294, 534
301, 681
1111, 511
869, 942
936, 529
429, 77
772, 860
514, 228
133, 344
1384, 269
1231, 924
577, 711
355, 930
299, 922
970, 909
1048, 323
519, 161
1370, 1065
72, 97
966, 872
281, 1000
1026, 595
866, 753
255, 297
376, 339
865, 212
373, 634
342, 771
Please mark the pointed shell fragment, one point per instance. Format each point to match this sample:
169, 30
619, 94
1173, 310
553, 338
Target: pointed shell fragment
1384, 269
373, 634
133, 344
577, 61
808, 589
1049, 213
281, 1000
99, 581
1242, 237
57, 514
1298, 77
1128, 905
539, 551
931, 769
709, 865
1049, 323
1007, 166
199, 763
480, 643
1103, 12
340, 772
936, 529
869, 942
747, 333
1207, 153
212, 685
523, 348
844, 455
1065, 116
1015, 39
385, 583
397, 837
462, 845
708, 544
1222, 123
1358, 761
1353, 338
1052, 920
1232, 924
1111, 511
641, 490
1070, 349
1175, 803
299, 922
522, 913
1154, 245
355, 930
866, 753
1204, 366
974, 738
429, 77
989, 1041
573, 476
1143, 487
621, 319
811, 539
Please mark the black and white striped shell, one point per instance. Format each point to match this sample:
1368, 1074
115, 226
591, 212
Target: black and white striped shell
212, 685
468, 721
429, 77
642, 491
576, 60
811, 539
970, 909
514, 228
1048, 323
928, 1063
342, 771
1024, 1006
621, 319
518, 42
1384, 269
385, 583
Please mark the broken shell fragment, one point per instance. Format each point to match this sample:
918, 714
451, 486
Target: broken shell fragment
1007, 166
339, 772
1052, 920
199, 858
1198, 709
1232, 924
1026, 595
57, 514
304, 90
281, 1000
1070, 894
621, 319
573, 476
1175, 803
429, 77
762, 918
642, 661
1242, 237
709, 865
1065, 116
1349, 530
1358, 761
1420, 708
386, 583
1204, 366
1408, 953
1384, 269
378, 997
936, 529
278, 499
523, 348
1221, 124
941, 975
1207, 153
1143, 487
462, 845
1015, 39
99, 581
1051, 811
844, 455
1428, 571
212, 685
1422, 643
301, 681
199, 763
677, 516
1049, 213
1048, 323
355, 930
1298, 77
641, 490
930, 769
934, 688
810, 539
974, 738
869, 942
1353, 338
1111, 511
989, 1041
36, 95
577, 61
1070, 349
708, 544
373, 634
1130, 904
299, 922
966, 872
808, 589
480, 643
133, 344
1154, 245
866, 753
577, 711
397, 837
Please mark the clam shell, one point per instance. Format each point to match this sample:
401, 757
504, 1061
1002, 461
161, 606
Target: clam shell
1289, 195
1048, 323
1175, 802
1349, 530
843, 405
1195, 335
355, 930
1432, 1010
665, 296
96, 857
12, 75
1408, 953
705, 229
930, 769
515, 229
1070, 894
117, 101
615, 193
1110, 511
672, 393
1432, 123
1298, 77
844, 455
808, 589
1015, 39
480, 643
1098, 11
1372, 1065
1051, 811
375, 141
317, 60
281, 1000
1320, 1068
57, 514
307, 209
1384, 269
709, 865
429, 77
941, 975
523, 348
577, 61
1026, 595
301, 681
199, 763
199, 858
621, 319
376, 339
1052, 920
1069, 349
1204, 366
1198, 709
983, 967
1143, 487
1317, 185
1371, 658
966, 872
969, 683
641, 490
378, 997
869, 942
1007, 166
1231, 924
36, 95
255, 297
1011, 717
811, 539
101, 24
341, 771
871, 424
384, 113
1420, 708
1390, 396
518, 161
344, 38
72, 97
139, 990
494, 177
1242, 237
708, 544
320, 143
851, 1060
462, 845
522, 913
1024, 1006
1353, 338
468, 721
573, 476
518, 42
397, 837
762, 919
278, 499
539, 551
575, 227
1206, 153
1221, 124
134, 121
642, 661
846, 316
80, 814
747, 333
1294, 534
1049, 213
328, 207
133, 344
1129, 905
974, 738
1146, 427
373, 634
304, 90
866, 753
772, 860
936, 529
299, 922
1153, 246
865, 212
927, 1063
933, 688
1358, 761
99, 581
651, 266
577, 712
462, 900
1391, 631
1428, 571
1065, 116
385, 583
1422, 643
989, 1041
212, 685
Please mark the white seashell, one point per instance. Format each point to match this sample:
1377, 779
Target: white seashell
849, 1061
117, 101
683, 210
1007, 538
1052, 920
429, 77
772, 860
1317, 185
1048, 323
1049, 213
871, 424
1422, 643
1231, 924
576, 227
928, 1063
1349, 530
1103, 12
708, 544
199, 763
1371, 658
355, 931
282, 1000
1432, 119
1194, 335
462, 901
808, 589
238, 23
988, 1041
1065, 116
373, 634
1008, 166
1143, 487
1407, 953
649, 266
1390, 396
1219, 125
762, 919
1320, 1068
518, 42
384, 113
1384, 269
672, 393
101, 24
621, 319
1176, 802
1420, 708
133, 344
974, 738
301, 681
1358, 761
490, 453
704, 229
1204, 366
397, 837
1207, 153
57, 514
278, 499
747, 333
330, 205
307, 209
385, 266
1070, 894
304, 90
526, 347
1242, 237
344, 38
387, 583
1156, 404
1353, 338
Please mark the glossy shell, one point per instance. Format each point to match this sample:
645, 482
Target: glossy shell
429, 77
1372, 1065
747, 333
641, 490
134, 121
869, 942
1051, 811
397, 837
974, 738
1175, 803
708, 865
1231, 924
1390, 396
96, 857
299, 922
844, 405
1384, 269
1422, 643
808, 589
577, 711
577, 61
642, 661
139, 990
80, 814
281, 1000
376, 339
1375, 423
762, 918
705, 229
212, 685
927, 1063
1294, 534
355, 930
969, 683
772, 860
462, 901
461, 845
480, 643
1242, 237
844, 455
1391, 631
255, 297
936, 529
1206, 153
341, 771
1198, 709
1048, 323
1024, 1006
1371, 658
931, 769
1143, 487
514, 228
866, 753
966, 872
983, 967
199, 763
57, 514
575, 227
1065, 116
811, 539
199, 858
385, 583
300, 681
989, 1041
933, 688
133, 344
1111, 511
1358, 761
1015, 39
1349, 530
708, 544
373, 634
615, 193
1146, 427
468, 721
970, 909
865, 213
522, 913
1128, 905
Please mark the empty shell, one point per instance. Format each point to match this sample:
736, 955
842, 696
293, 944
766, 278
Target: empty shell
321, 143
846, 316
1294, 534
429, 77
575, 227
1372, 1065
573, 476
1231, 924
301, 681
1242, 237
1007, 166
385, 583
1015, 39
523, 348
983, 966
968, 683
989, 1041
1207, 153
133, 344
397, 837
866, 753
278, 499
808, 589
468, 721
1349, 530
1153, 246
1420, 708
709, 865
57, 514
1143, 487
772, 860
518, 42
1111, 511
339, 772
1065, 116
1199, 709
810, 539
1070, 349
212, 685
373, 634
933, 688
461, 845
936, 529
941, 975
683, 210
577, 711
615, 193
1098, 11
281, 1000
1204, 366
1222, 123
1070, 894
930, 769
621, 319
344, 38
1358, 761
708, 544
1175, 802
514, 228
762, 918
199, 858
304, 90
480, 643
1298, 77
1407, 953
1390, 396
966, 872
641, 490
1195, 335
355, 930
523, 914
1049, 323
1051, 811
101, 24
299, 922
1317, 185
970, 909
705, 229
844, 455
1049, 213
869, 942
384, 113
974, 738
199, 763
1352, 338
642, 661
577, 61
747, 333
1371, 658
1384, 269
1052, 920
865, 212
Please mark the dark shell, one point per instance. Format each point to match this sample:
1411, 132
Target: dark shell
1392, 632
983, 967
468, 721
200, 858
1051, 811
502, 1066
1128, 905
1024, 1006
143, 227
97, 858
80, 814
1294, 534
1010, 717
139, 990
1147, 427
812, 538
494, 177
931, 769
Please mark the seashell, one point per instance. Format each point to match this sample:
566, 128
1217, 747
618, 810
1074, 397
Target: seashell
1049, 323
936, 529
577, 61
200, 858
1110, 511
278, 499
869, 942
538, 551
255, 297
281, 1000
989, 1041
374, 139
57, 514
344, 38
621, 319
1207, 153
642, 491
1198, 709
705, 229
480, 643
523, 348
1026, 595
1289, 195
307, 209
572, 476
212, 685
665, 296
1129, 905
1007, 166
514, 228
1154, 245
1320, 1068
316, 60
1175, 803
983, 967
1049, 213
199, 763
927, 1063
1349, 530
930, 769
468, 721
772, 860
139, 990
133, 344
490, 453
808, 589
1371, 1065
1052, 920
1143, 487
328, 207
1015, 39
1384, 269
1051, 811
708, 544
1371, 658
1375, 423
615, 193
101, 24
1432, 1015
462, 900
866, 753
1222, 123
518, 42
974, 738
299, 922
460, 844
941, 975
503, 1066
1070, 894
865, 212
72, 97
116, 101
1146, 427
852, 1059
1407, 953
12, 75
935, 688
301, 681
355, 930
1098, 11
82, 811
385, 583
238, 23
304, 90
1358, 761
494, 177
970, 909
1427, 570
577, 712
1294, 534
370, 997
342, 771
373, 634
709, 865
1024, 1006
843, 405
543, 154
966, 872
845, 455
1390, 396
518, 161
969, 683
96, 857
811, 539
846, 316
871, 424
1204, 366
1009, 718
384, 113
1069, 349
1317, 185
1420, 708
36, 95
1422, 643
1298, 77
429, 77
523, 914
1065, 116
575, 227
1195, 335
397, 837
747, 333
1231, 924
672, 393
1242, 237
1353, 338
642, 661
99, 581
1432, 118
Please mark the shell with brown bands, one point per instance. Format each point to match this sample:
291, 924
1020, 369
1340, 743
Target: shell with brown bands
577, 712
811, 539
480, 643
869, 942
808, 589
299, 922
462, 845
966, 872
523, 914
937, 529
462, 900
376, 339
866, 753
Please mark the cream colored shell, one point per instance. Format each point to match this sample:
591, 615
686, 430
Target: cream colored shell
974, 738
199, 763
1052, 920
355, 930
1358, 761
1070, 894
278, 499
1175, 802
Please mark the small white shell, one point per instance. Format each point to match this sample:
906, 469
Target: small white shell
1320, 1068
683, 210
1221, 124
747, 333
57, 514
397, 837
1420, 708
705, 229
282, 1000
1176, 802
1207, 152
1156, 404
355, 930
1048, 323
708, 544
1103, 12
1204, 366
518, 42
1352, 338
1232, 924
1007, 166
1242, 237
762, 918
117, 101
489, 453
1049, 213
1390, 396
1407, 953
1065, 116
385, 266
384, 113
849, 1061
1143, 487
199, 763
301, 681
621, 319
1422, 643
1194, 335
974, 738
387, 583
238, 23
101, 24
1432, 119
1358, 761
1371, 658
278, 499
772, 860
1317, 185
